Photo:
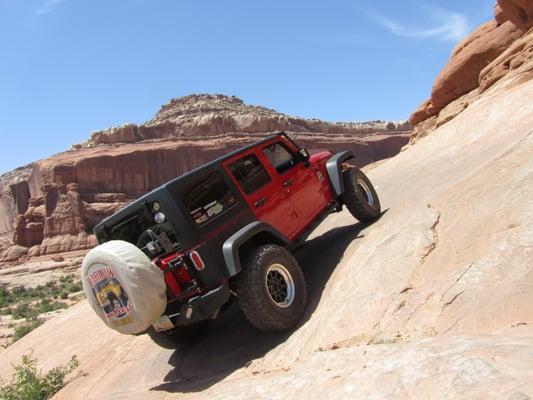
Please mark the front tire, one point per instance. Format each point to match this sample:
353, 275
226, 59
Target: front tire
360, 196
271, 288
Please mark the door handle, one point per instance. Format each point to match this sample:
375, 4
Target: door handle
288, 182
260, 202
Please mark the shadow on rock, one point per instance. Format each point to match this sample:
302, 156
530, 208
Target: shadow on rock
231, 341
318, 259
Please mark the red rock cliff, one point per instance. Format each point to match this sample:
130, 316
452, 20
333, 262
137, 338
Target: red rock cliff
478, 62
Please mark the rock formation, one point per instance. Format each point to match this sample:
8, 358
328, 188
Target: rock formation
498, 47
52, 205
519, 12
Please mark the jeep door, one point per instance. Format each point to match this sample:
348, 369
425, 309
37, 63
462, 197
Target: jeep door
263, 191
300, 182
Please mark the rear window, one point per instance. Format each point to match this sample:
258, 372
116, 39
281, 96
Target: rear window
249, 173
207, 197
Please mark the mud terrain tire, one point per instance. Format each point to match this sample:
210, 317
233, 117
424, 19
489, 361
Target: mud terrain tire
360, 196
271, 288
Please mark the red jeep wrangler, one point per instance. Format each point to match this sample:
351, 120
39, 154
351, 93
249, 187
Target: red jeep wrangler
179, 254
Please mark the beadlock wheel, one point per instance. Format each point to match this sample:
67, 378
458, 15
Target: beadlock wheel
367, 193
271, 288
279, 285
359, 196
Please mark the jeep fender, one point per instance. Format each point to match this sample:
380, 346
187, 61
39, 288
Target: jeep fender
334, 169
260, 231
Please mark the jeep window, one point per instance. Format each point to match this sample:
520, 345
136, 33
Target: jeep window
207, 197
250, 174
280, 157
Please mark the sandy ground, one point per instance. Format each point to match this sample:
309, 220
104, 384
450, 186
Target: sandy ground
432, 301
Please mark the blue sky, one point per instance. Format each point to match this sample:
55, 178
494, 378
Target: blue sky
69, 67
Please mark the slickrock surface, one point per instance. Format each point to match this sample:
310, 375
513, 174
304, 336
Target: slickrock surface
52, 205
431, 301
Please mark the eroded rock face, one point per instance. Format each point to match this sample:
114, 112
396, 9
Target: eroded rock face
469, 57
8, 200
475, 61
200, 116
519, 12
59, 220
20, 192
517, 60
14, 252
63, 197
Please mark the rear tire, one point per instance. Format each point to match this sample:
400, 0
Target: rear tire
271, 288
360, 196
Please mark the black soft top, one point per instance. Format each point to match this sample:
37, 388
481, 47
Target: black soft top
163, 194
216, 162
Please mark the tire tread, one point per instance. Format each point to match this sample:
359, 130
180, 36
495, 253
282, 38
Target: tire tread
354, 201
250, 290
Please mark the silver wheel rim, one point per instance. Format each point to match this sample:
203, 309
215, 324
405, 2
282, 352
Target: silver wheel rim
366, 191
279, 285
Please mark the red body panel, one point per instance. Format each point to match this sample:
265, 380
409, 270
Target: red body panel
291, 201
318, 160
269, 203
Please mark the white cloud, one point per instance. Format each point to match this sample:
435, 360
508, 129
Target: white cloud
48, 6
448, 25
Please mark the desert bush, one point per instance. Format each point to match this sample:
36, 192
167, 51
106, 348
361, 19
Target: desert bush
29, 384
25, 328
33, 310
52, 289
24, 311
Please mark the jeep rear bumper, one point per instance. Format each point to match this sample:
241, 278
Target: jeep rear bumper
199, 308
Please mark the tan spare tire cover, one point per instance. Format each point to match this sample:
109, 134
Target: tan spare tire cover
123, 287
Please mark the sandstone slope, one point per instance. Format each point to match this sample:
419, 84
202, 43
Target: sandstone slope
433, 300
52, 205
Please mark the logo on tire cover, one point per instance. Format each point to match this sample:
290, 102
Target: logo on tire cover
111, 296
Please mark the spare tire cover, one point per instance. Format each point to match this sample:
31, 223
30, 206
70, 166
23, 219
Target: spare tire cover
123, 287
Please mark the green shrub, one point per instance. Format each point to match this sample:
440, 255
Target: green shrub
25, 328
20, 301
73, 287
45, 305
24, 311
29, 384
